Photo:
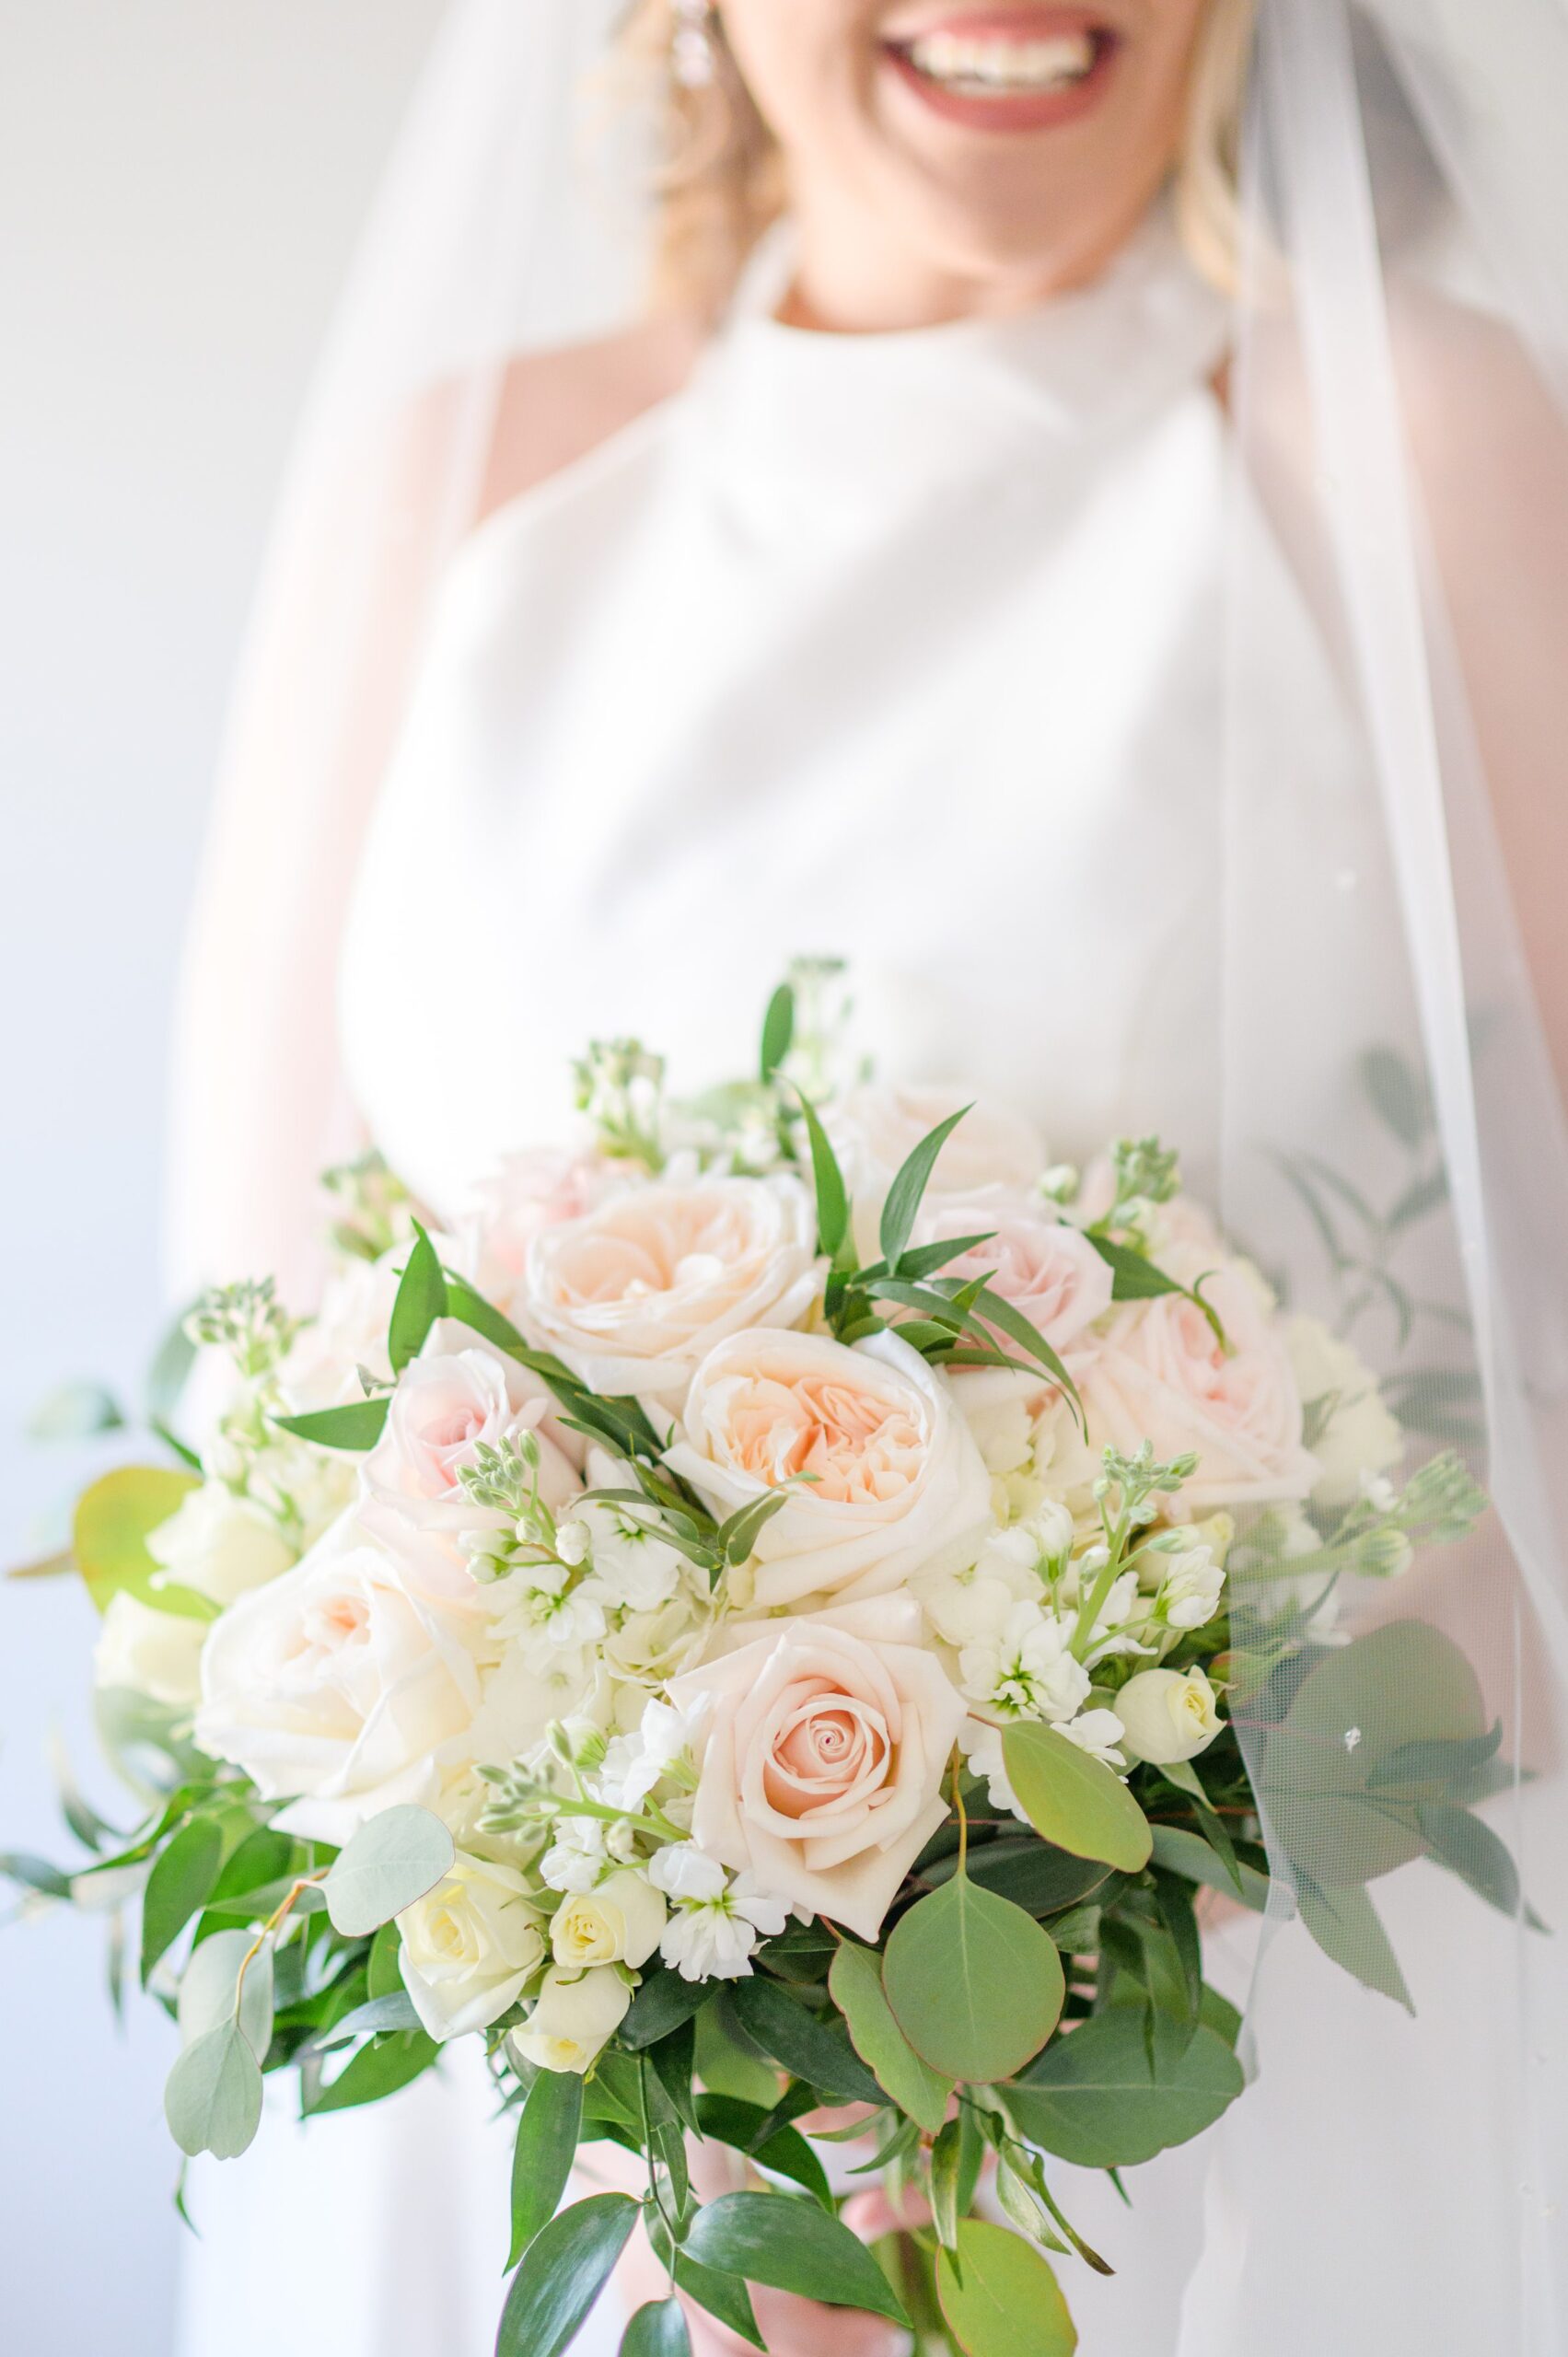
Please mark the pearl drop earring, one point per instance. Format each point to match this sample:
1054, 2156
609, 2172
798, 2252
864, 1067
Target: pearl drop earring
692, 57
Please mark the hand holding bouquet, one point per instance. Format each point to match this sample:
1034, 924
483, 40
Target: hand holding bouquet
749, 1622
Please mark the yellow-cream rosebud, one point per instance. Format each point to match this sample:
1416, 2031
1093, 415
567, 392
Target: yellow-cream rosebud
619, 1921
574, 2016
1168, 1715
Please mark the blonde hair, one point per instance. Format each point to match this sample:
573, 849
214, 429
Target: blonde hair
721, 182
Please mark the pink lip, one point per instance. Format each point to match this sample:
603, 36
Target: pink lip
1021, 111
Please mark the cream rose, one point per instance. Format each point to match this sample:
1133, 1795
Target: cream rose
446, 1406
335, 1686
1167, 1715
1162, 1373
618, 1921
468, 1947
528, 1193
349, 1332
890, 1481
1041, 1265
636, 1294
146, 1651
821, 1759
573, 2018
219, 1544
875, 1129
1359, 1435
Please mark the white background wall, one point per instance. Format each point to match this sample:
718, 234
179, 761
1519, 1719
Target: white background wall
180, 184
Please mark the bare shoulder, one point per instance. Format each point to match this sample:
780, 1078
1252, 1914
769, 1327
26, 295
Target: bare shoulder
557, 406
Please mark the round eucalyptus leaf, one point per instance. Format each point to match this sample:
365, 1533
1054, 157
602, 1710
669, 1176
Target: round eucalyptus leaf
1074, 1800
391, 1861
108, 1535
974, 1984
212, 2100
854, 1982
207, 1989
999, 2298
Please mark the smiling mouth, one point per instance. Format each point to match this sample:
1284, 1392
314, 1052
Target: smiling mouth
1006, 74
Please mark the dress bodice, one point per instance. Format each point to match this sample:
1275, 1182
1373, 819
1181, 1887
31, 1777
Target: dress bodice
903, 647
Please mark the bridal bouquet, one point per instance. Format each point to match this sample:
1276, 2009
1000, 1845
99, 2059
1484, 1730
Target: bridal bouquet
741, 1626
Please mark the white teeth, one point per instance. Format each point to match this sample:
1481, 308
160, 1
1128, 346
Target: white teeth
993, 62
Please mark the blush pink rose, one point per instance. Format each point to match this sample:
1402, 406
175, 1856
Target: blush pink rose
823, 1754
1161, 1374
1045, 1268
889, 1480
529, 1193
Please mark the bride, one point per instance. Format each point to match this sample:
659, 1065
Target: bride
1078, 528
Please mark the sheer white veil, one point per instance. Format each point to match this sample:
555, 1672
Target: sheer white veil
1402, 363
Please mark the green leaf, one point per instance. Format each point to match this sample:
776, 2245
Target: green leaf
471, 1309
421, 1300
657, 2330
376, 2014
1075, 1801
262, 1858
110, 1532
776, 2240
1398, 1093
1137, 1279
1183, 1853
724, 2296
855, 1983
674, 2059
909, 1185
784, 2151
974, 1984
1000, 2299
391, 1861
541, 2161
35, 1874
1348, 1928
816, 2051
833, 1197
382, 2068
728, 2062
75, 1411
383, 1974
1011, 1322
1468, 1848
660, 2005
1035, 1875
563, 2273
1098, 2097
778, 1030
179, 1886
208, 1985
358, 1427
1447, 1763
212, 2100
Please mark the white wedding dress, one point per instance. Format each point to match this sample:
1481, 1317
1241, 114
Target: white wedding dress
906, 647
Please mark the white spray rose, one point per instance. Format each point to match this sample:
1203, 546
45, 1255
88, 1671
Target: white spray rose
575, 2015
1359, 1437
468, 1947
218, 1544
618, 1921
1167, 1715
146, 1651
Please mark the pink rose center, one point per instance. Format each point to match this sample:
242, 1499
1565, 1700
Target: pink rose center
827, 1747
855, 1446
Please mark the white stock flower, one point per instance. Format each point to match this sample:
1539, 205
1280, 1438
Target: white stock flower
1026, 1671
1190, 1589
887, 1481
715, 1922
1167, 1715
633, 1296
1100, 1733
632, 1566
150, 1653
468, 1947
575, 2015
618, 1921
634, 1763
335, 1686
1358, 1437
218, 1544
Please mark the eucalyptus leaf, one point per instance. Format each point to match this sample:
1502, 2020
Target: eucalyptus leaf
999, 2298
110, 1532
854, 1981
563, 2273
75, 1411
213, 2099
790, 2244
1183, 1853
547, 2130
208, 1986
974, 1984
1074, 1800
1099, 2097
393, 1860
1468, 1848
1347, 1927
